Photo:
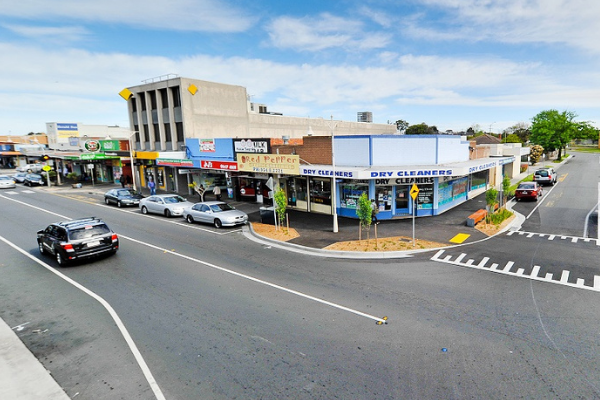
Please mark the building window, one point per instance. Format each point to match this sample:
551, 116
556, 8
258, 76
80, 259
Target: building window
167, 132
350, 193
320, 191
176, 96
179, 127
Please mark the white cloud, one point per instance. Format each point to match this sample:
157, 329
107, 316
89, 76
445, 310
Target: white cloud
571, 22
41, 85
178, 15
323, 32
63, 34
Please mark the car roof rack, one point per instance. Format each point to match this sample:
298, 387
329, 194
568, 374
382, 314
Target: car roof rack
80, 221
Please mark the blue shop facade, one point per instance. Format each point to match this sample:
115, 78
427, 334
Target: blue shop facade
387, 166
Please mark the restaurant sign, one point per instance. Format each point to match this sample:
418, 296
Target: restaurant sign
269, 163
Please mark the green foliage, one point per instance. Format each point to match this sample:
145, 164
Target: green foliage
521, 130
506, 186
421, 129
491, 197
535, 153
553, 130
497, 217
281, 201
401, 125
73, 175
512, 138
363, 210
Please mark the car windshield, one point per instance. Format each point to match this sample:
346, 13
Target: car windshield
174, 199
542, 173
89, 231
124, 192
526, 186
221, 207
5, 178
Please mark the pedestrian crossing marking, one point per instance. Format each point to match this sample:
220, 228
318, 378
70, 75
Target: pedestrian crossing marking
443, 257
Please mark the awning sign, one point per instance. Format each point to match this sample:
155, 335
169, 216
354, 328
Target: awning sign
288, 164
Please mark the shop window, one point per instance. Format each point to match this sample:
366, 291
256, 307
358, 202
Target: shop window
320, 191
383, 198
350, 193
479, 180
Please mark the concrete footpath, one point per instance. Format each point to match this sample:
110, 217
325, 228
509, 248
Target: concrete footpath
23, 377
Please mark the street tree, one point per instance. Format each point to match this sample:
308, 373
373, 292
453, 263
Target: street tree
553, 130
520, 129
535, 153
422, 129
364, 213
401, 125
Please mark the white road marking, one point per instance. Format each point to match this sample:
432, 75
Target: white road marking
256, 280
437, 257
573, 239
132, 346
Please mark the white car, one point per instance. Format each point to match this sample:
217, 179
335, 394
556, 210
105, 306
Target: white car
30, 168
217, 213
168, 205
7, 182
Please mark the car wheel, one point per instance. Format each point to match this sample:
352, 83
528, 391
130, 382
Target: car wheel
119, 204
218, 223
168, 213
107, 201
41, 247
59, 259
189, 219
144, 210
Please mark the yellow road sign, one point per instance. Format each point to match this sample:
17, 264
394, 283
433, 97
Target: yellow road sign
414, 191
47, 168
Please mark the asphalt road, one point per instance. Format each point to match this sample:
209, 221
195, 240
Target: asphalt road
217, 316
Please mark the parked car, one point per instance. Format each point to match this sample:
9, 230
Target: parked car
165, 204
77, 239
19, 177
30, 168
7, 182
33, 179
545, 175
217, 213
528, 190
122, 197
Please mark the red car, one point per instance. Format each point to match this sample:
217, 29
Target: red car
528, 190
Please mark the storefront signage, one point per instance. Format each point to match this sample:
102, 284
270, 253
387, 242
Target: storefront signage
411, 173
177, 162
92, 156
110, 145
64, 131
92, 145
252, 146
483, 167
326, 172
403, 181
220, 165
207, 146
269, 163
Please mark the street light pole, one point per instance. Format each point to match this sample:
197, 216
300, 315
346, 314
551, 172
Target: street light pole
332, 125
131, 158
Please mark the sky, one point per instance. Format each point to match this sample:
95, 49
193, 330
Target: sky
455, 64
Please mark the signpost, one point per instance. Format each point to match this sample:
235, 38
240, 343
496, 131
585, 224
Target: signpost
414, 192
47, 169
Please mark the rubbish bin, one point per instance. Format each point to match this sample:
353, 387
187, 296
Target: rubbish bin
267, 216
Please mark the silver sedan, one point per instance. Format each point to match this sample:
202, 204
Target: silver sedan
165, 204
7, 182
217, 213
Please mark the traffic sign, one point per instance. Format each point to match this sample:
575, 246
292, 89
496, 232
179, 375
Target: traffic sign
47, 168
414, 191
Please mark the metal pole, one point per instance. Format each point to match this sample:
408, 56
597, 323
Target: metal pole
131, 162
333, 183
413, 220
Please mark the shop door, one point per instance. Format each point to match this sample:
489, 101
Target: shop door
403, 205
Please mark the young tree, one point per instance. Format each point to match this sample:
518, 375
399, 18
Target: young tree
363, 212
281, 201
422, 129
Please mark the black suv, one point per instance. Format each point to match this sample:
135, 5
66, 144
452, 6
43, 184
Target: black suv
77, 239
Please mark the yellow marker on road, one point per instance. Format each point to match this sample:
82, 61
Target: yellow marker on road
461, 237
